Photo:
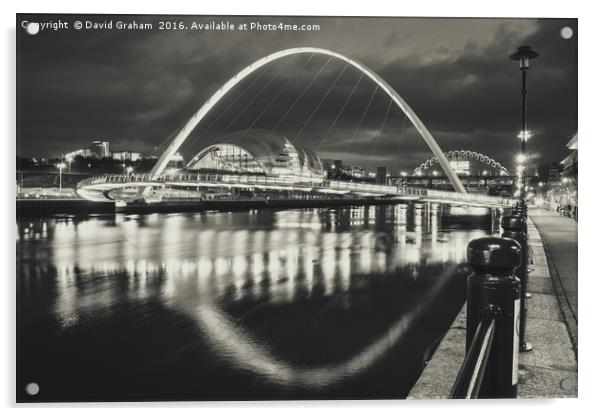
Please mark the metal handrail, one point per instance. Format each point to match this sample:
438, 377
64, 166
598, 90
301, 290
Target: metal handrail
468, 381
287, 181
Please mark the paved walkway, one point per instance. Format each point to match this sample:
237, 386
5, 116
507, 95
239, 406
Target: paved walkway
550, 369
559, 237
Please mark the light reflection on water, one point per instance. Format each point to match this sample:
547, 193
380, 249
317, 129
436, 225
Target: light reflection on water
203, 265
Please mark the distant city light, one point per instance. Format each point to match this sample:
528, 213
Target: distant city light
61, 166
485, 172
521, 158
372, 174
540, 184
403, 173
435, 173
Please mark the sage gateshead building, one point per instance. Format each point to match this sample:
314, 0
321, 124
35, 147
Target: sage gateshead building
259, 152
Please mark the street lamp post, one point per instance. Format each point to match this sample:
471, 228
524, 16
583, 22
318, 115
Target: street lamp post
61, 166
523, 55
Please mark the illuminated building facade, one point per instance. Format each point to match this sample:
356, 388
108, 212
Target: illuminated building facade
258, 152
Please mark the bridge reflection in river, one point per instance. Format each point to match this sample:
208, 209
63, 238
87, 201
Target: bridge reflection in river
324, 303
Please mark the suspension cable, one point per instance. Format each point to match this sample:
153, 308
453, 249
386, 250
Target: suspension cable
252, 101
403, 128
273, 100
301, 95
357, 127
238, 97
320, 103
341, 110
223, 131
160, 146
382, 126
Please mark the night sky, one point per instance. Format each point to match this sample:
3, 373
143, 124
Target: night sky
136, 88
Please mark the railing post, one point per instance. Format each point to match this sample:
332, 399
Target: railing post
493, 284
522, 211
515, 227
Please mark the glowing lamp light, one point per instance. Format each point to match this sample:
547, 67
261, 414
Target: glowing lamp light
435, 173
521, 158
403, 173
525, 135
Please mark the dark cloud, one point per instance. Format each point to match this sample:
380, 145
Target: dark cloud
136, 88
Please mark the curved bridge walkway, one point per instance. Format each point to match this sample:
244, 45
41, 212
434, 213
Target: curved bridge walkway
98, 188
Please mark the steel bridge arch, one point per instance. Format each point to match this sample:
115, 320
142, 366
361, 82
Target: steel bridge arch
185, 131
462, 155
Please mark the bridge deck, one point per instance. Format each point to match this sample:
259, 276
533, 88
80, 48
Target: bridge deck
98, 188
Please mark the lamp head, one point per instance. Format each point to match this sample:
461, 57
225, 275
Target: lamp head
523, 55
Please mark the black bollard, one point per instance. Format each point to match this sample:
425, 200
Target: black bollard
521, 211
494, 286
514, 227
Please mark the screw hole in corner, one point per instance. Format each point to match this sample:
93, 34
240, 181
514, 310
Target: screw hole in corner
567, 384
32, 389
566, 32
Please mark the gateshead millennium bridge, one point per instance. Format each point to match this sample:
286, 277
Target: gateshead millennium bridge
262, 162
266, 161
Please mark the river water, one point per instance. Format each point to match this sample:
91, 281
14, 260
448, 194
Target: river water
264, 304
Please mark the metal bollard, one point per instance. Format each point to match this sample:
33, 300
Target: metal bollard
493, 284
522, 211
514, 227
